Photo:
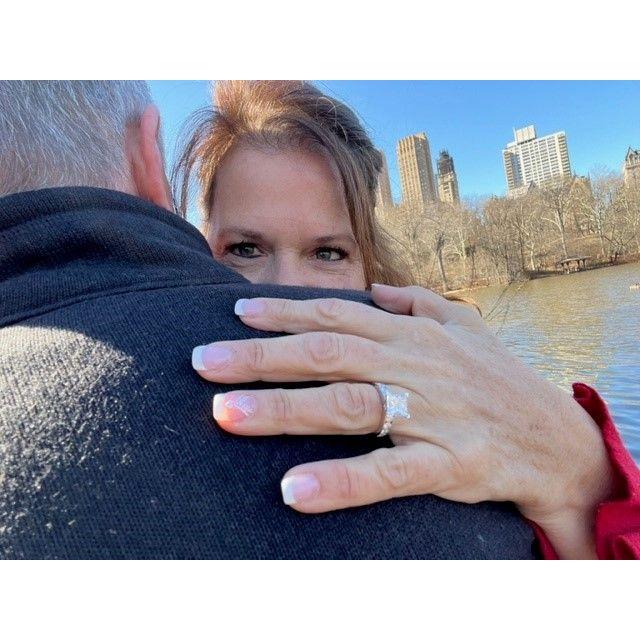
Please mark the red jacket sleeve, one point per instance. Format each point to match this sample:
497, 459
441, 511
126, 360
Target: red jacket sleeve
617, 524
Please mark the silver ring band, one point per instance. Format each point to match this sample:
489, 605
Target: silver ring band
394, 405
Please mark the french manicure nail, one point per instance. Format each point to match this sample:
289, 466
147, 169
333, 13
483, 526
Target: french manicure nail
299, 488
210, 356
249, 308
233, 407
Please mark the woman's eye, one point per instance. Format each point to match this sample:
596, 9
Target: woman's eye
329, 254
244, 250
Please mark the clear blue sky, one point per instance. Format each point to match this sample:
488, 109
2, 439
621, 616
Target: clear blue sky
472, 119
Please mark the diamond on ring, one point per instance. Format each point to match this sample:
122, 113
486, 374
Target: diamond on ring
395, 404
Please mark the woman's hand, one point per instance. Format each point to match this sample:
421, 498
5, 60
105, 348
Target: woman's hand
483, 425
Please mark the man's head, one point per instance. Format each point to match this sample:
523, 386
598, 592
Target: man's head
81, 133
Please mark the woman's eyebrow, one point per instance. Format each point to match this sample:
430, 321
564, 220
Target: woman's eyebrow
344, 237
251, 234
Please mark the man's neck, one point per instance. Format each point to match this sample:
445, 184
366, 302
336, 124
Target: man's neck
59, 246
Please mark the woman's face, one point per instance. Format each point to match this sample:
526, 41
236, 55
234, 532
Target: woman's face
280, 217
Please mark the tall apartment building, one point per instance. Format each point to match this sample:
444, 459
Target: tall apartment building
631, 168
532, 160
447, 179
416, 170
384, 199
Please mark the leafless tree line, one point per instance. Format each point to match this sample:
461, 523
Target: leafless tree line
500, 239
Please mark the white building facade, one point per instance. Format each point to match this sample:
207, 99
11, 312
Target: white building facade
532, 160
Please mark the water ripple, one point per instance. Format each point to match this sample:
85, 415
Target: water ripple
582, 327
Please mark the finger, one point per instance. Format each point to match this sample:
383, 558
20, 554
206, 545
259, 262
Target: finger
418, 301
380, 475
325, 314
318, 356
340, 408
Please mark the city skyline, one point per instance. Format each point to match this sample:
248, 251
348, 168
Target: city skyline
473, 120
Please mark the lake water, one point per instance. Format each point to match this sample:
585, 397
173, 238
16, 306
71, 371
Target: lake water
581, 327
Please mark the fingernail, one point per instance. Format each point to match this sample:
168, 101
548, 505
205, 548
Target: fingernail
248, 308
209, 356
233, 407
299, 488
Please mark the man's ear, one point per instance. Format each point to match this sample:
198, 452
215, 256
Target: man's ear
147, 162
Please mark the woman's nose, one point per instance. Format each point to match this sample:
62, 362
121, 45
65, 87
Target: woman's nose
289, 271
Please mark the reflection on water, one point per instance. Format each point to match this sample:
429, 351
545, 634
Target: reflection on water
582, 327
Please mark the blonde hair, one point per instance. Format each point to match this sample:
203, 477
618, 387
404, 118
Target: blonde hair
283, 115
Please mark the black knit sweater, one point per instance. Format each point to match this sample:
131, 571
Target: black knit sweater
107, 444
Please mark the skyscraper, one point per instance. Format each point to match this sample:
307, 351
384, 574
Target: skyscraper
631, 168
416, 170
529, 159
447, 179
384, 199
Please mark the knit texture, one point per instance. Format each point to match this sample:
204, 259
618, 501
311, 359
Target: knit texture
108, 448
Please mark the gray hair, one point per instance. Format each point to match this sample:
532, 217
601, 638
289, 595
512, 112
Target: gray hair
67, 133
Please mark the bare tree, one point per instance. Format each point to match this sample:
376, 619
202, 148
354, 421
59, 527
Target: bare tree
505, 239
628, 211
597, 202
498, 239
463, 239
439, 217
556, 199
525, 220
407, 226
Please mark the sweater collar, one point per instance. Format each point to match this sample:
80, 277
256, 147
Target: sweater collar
60, 246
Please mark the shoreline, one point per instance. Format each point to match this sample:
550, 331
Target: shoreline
539, 275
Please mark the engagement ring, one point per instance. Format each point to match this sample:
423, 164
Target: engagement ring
394, 405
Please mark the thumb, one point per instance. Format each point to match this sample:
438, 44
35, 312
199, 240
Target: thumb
418, 301
414, 301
